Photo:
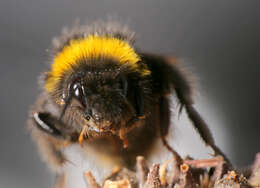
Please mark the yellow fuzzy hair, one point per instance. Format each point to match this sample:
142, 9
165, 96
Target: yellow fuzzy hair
93, 46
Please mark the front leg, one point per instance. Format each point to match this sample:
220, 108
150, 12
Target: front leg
50, 139
50, 135
51, 142
53, 126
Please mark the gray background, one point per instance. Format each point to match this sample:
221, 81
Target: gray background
216, 39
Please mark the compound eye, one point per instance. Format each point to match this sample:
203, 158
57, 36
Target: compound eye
77, 91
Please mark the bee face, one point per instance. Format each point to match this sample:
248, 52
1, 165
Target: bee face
101, 96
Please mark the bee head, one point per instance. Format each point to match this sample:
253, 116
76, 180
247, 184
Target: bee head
101, 82
102, 97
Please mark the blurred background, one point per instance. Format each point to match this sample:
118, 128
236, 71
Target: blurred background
216, 40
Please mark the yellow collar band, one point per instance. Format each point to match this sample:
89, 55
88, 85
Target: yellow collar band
93, 46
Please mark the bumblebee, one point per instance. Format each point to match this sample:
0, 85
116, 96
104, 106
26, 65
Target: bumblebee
103, 93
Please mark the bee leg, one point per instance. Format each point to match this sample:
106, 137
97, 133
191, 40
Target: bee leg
184, 94
52, 126
43, 122
51, 142
164, 126
168, 75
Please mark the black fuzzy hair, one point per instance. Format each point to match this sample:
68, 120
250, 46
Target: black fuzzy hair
111, 28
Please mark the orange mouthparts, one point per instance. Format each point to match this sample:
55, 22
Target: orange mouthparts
82, 135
